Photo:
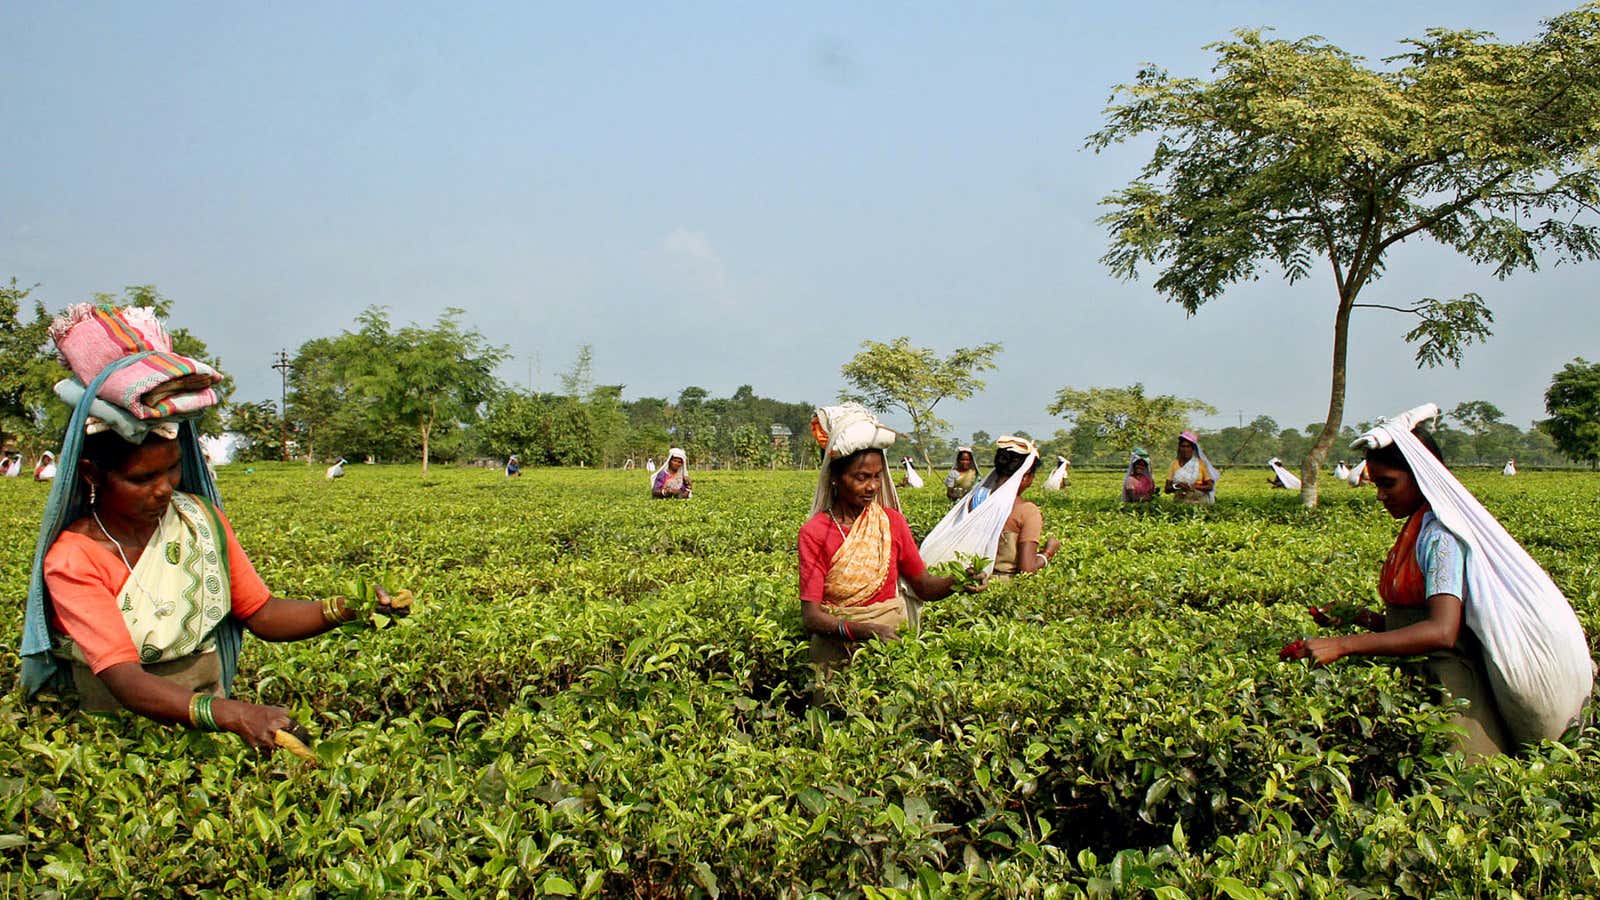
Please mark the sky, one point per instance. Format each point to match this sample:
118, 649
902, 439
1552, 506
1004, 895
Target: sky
712, 194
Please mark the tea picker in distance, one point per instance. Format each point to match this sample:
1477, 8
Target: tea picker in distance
1457, 588
513, 466
671, 481
45, 470
963, 477
1138, 485
856, 546
140, 593
1192, 478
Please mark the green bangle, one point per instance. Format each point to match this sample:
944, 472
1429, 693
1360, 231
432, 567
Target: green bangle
201, 708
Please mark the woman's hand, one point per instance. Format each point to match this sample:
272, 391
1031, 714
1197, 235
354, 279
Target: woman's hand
1320, 651
1051, 547
257, 725
864, 631
395, 606
1320, 616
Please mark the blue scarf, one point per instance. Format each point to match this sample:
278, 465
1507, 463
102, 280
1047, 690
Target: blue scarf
67, 504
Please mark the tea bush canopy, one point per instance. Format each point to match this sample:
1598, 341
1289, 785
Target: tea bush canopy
1297, 154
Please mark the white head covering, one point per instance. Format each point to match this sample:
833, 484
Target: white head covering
845, 429
678, 452
1533, 645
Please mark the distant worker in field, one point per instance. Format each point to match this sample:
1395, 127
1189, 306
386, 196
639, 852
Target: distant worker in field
336, 470
140, 594
1459, 590
45, 470
1341, 471
1019, 551
1138, 485
1358, 475
856, 545
1192, 478
513, 466
11, 464
671, 481
963, 477
1058, 478
1281, 477
1510, 469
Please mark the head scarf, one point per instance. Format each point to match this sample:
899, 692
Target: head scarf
845, 429
1533, 644
957, 460
67, 501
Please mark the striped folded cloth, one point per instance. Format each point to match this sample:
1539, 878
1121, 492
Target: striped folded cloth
91, 336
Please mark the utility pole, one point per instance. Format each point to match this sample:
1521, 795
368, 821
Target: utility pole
281, 363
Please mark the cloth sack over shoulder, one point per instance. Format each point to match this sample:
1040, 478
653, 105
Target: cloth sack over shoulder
913, 477
1534, 648
1357, 472
1058, 478
1285, 477
976, 532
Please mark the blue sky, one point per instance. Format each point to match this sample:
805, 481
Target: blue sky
710, 194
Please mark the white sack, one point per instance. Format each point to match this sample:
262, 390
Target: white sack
1058, 478
912, 478
1287, 478
975, 532
1341, 471
1355, 474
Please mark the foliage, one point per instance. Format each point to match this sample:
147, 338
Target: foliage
1573, 402
1297, 150
913, 380
27, 368
1122, 418
601, 695
260, 429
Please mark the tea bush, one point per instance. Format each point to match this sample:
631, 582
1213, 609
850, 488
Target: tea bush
604, 695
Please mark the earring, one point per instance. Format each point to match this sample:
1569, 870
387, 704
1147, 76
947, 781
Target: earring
91, 494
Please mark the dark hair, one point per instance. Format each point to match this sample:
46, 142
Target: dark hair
1008, 461
1392, 457
837, 467
109, 452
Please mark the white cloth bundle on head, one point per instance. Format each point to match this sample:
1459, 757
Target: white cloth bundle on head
1285, 477
976, 532
913, 479
1533, 645
845, 429
1058, 478
1355, 473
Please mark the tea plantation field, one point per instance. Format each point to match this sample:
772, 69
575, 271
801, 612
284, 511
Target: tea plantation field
602, 695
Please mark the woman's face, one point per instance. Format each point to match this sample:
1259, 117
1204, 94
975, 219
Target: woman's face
1141, 469
858, 485
1185, 451
963, 461
1397, 489
674, 464
142, 487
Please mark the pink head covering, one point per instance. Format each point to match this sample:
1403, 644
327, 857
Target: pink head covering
1190, 436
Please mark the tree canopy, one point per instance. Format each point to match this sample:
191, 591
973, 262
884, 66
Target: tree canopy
1297, 154
1124, 417
1573, 401
914, 380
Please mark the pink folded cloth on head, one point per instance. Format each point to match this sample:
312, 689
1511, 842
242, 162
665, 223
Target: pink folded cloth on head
91, 337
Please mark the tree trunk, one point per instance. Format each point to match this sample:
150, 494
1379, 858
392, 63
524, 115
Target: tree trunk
424, 450
1312, 466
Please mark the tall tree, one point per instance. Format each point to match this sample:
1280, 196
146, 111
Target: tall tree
425, 378
1573, 402
1125, 417
914, 380
1297, 150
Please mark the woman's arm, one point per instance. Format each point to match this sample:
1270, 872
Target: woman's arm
819, 621
1438, 631
293, 620
156, 698
1031, 559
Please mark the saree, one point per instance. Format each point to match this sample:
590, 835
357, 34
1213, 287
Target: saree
172, 602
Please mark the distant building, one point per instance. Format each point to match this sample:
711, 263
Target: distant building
781, 436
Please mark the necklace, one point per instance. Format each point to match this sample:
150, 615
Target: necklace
96, 514
837, 524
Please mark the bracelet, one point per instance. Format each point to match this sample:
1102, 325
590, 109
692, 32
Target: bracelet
336, 611
200, 712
